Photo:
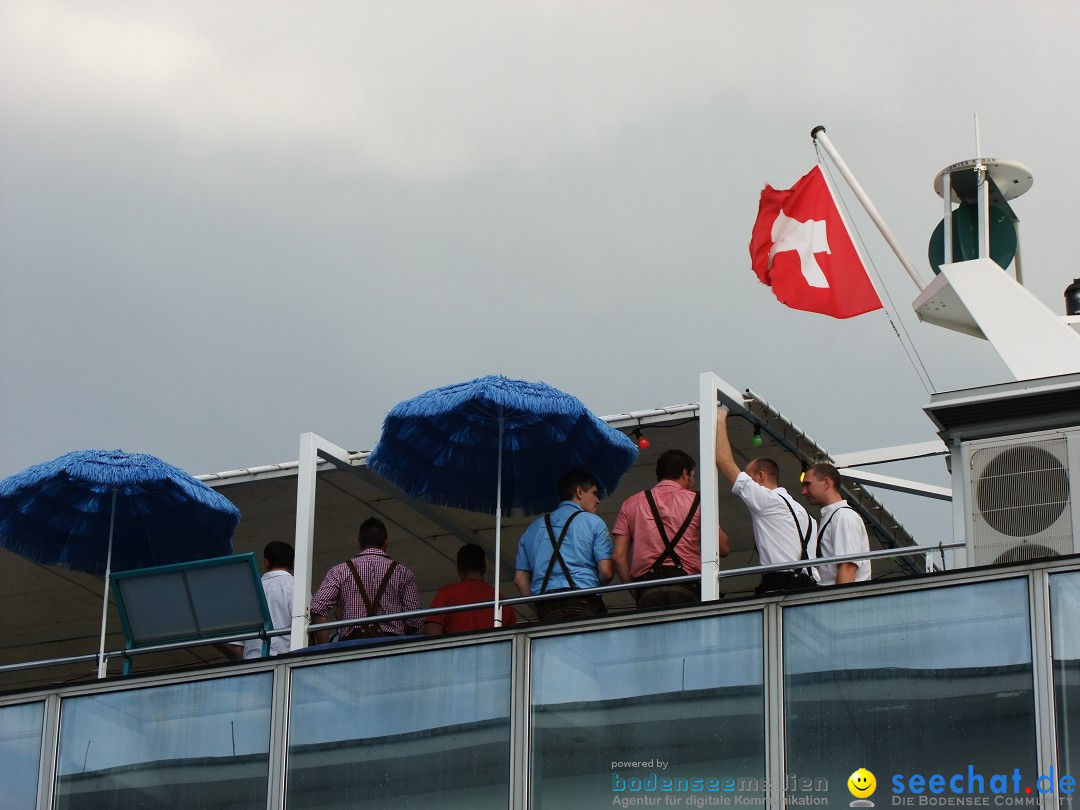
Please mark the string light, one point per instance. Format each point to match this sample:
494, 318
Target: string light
641, 439
756, 440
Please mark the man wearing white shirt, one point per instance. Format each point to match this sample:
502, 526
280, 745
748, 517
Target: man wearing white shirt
277, 584
782, 527
840, 529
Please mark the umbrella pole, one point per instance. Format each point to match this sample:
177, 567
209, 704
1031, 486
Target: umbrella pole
102, 665
498, 524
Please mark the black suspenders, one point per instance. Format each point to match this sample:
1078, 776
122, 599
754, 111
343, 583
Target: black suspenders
804, 538
669, 545
821, 529
555, 555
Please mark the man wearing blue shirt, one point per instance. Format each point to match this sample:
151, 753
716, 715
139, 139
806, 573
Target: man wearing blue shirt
566, 549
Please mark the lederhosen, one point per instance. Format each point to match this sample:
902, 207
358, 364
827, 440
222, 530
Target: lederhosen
797, 579
572, 606
371, 605
680, 593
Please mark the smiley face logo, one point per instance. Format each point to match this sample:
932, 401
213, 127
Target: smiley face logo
862, 783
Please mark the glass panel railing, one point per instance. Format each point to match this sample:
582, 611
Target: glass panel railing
1064, 619
425, 729
671, 712
201, 746
909, 686
20, 753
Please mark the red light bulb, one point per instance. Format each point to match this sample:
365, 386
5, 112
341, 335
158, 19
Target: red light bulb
643, 443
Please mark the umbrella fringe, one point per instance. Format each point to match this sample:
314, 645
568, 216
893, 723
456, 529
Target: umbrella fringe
56, 513
499, 392
488, 508
432, 443
105, 469
31, 552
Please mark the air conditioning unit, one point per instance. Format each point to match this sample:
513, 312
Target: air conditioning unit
1019, 496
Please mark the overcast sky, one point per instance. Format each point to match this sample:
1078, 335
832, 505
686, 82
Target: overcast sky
226, 223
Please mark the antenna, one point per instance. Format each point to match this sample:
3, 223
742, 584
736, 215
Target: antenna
978, 149
984, 203
983, 226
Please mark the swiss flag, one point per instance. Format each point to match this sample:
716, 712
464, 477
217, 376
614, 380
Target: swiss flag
802, 249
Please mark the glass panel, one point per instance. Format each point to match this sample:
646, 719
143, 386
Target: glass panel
916, 684
427, 729
1064, 619
673, 712
198, 745
20, 753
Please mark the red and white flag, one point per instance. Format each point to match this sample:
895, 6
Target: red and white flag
802, 249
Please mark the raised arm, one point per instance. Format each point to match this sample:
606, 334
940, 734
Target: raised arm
725, 460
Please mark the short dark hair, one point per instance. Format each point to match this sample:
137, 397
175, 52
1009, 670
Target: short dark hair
471, 558
825, 470
279, 554
670, 465
569, 483
767, 466
372, 533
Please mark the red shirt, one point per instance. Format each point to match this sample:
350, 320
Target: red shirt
636, 520
464, 593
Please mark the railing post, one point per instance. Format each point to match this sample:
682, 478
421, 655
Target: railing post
312, 448
50, 742
708, 480
304, 539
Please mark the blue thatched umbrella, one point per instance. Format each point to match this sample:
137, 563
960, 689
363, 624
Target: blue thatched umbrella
96, 511
493, 442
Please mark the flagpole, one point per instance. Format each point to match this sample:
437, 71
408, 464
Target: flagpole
819, 136
879, 285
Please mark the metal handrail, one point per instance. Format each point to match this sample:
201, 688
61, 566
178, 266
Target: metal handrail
518, 600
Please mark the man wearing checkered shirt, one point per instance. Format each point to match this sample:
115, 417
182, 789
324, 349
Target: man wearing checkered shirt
370, 584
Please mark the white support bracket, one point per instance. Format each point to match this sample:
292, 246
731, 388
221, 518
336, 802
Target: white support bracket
711, 389
884, 455
896, 484
312, 448
708, 481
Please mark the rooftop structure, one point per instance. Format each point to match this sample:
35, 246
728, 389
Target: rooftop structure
951, 679
59, 610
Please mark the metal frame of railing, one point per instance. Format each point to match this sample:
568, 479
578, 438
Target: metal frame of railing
520, 600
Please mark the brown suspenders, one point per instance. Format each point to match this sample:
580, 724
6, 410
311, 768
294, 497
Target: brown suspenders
371, 606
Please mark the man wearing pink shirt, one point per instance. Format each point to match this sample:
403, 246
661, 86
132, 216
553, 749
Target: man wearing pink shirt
662, 529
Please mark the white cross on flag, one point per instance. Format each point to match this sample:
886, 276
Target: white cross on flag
801, 248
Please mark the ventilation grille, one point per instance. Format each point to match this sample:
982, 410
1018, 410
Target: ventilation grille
1020, 507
